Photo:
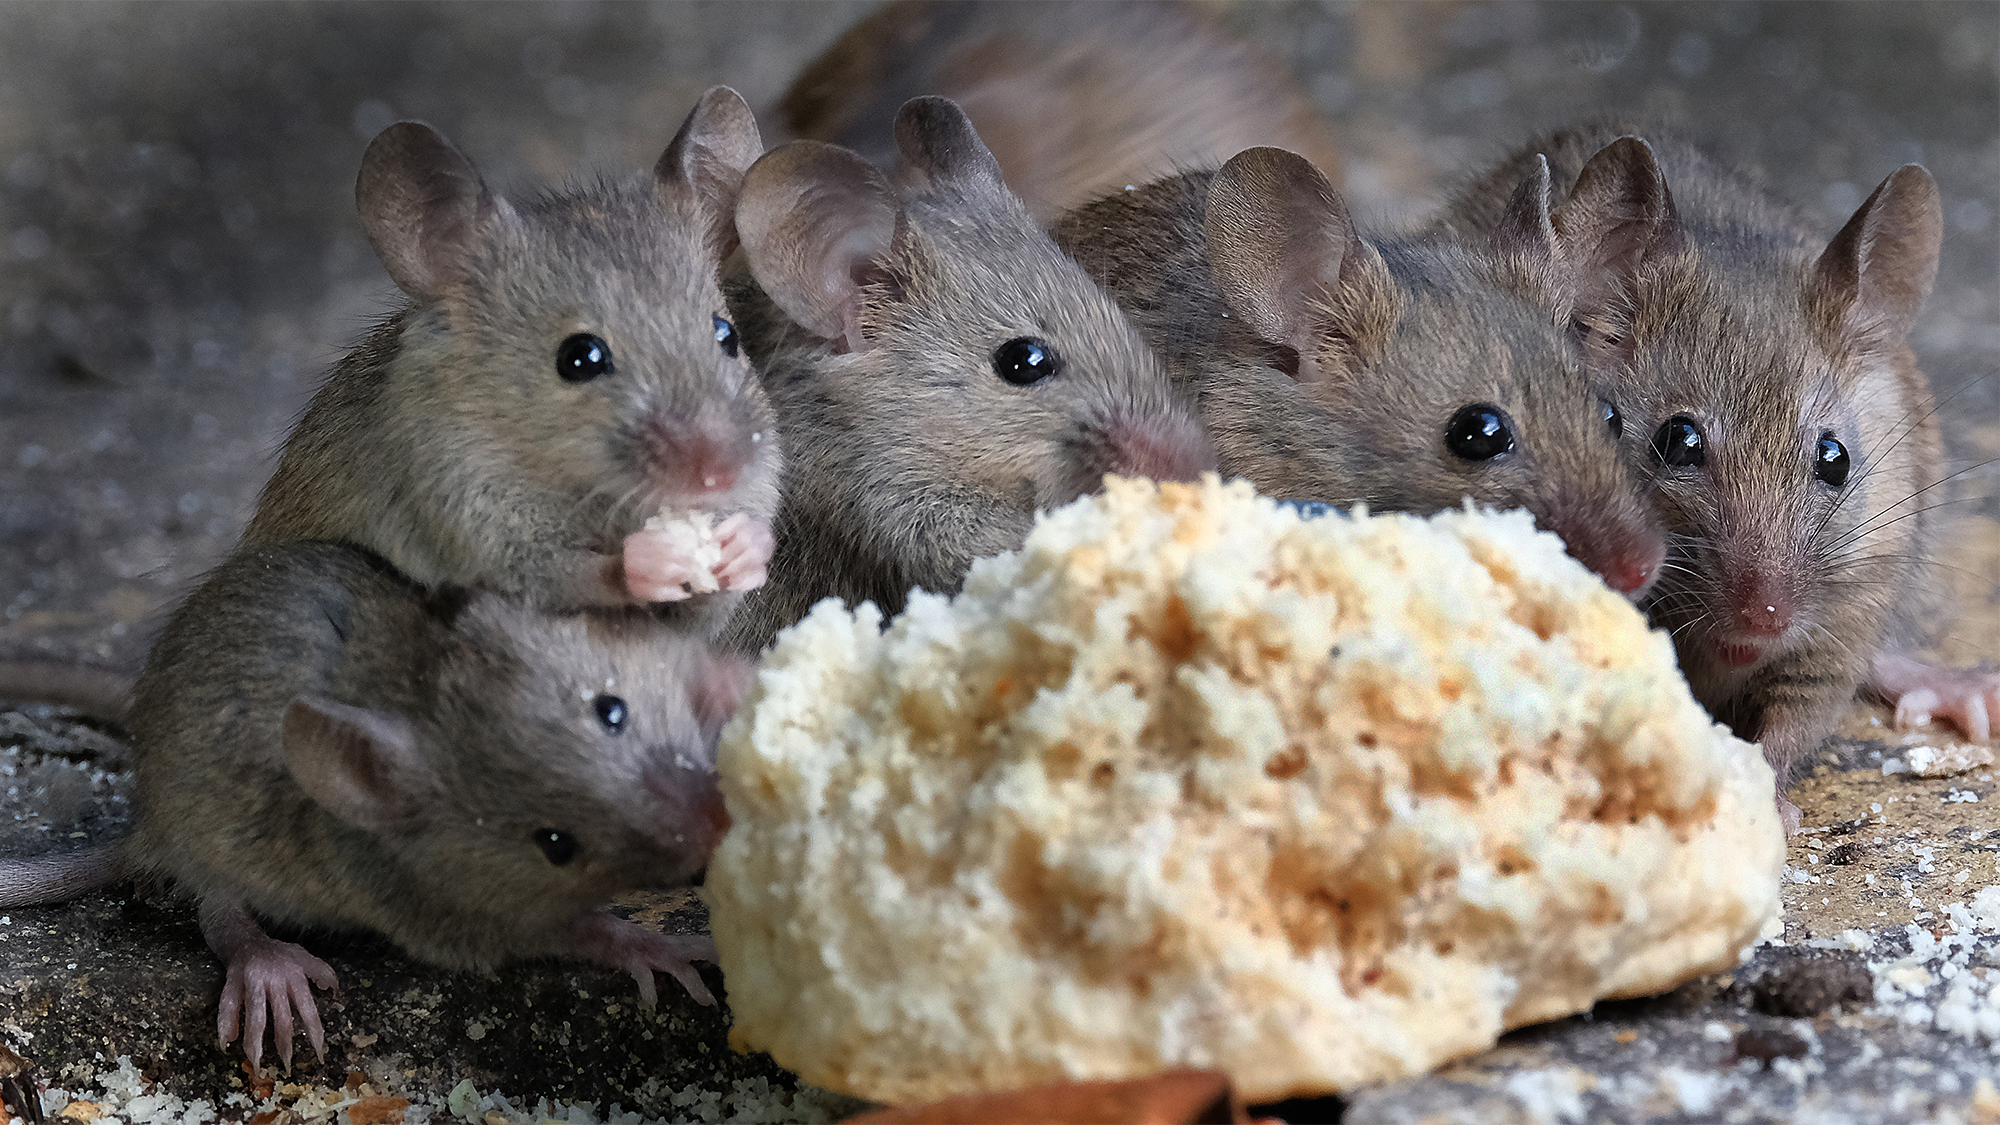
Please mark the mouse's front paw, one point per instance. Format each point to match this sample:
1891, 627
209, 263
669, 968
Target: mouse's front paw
272, 984
1968, 698
747, 543
642, 952
659, 567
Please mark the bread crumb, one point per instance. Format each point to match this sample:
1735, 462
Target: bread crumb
1188, 781
693, 534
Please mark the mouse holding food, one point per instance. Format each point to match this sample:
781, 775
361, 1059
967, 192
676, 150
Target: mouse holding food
322, 744
565, 372
941, 371
1073, 99
1401, 373
1791, 439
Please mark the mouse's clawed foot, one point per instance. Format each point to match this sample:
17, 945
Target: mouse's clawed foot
269, 982
600, 936
1968, 698
747, 543
656, 568
1788, 815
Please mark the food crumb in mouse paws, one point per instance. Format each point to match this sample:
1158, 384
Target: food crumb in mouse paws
693, 534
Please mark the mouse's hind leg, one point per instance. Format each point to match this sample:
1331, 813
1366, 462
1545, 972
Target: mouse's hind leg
268, 982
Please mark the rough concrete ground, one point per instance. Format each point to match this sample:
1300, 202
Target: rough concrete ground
179, 262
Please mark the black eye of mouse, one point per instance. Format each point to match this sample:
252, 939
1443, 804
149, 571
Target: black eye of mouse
1612, 418
1025, 360
725, 337
1831, 463
556, 844
1679, 443
583, 357
1478, 432
610, 711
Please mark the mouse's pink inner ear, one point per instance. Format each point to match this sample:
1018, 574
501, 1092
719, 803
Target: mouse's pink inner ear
816, 221
1285, 252
1874, 276
714, 147
362, 765
424, 207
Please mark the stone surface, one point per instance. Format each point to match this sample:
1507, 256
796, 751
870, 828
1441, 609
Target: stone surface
179, 261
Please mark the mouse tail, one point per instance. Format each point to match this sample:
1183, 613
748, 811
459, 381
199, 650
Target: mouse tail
54, 878
95, 689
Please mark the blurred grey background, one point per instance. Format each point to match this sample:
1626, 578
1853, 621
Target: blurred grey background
180, 263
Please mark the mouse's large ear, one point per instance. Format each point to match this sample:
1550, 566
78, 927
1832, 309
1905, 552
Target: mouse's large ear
717, 143
1617, 217
362, 765
940, 148
817, 224
1289, 262
424, 207
717, 688
1869, 285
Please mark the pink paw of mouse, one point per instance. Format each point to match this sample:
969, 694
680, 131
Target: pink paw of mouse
610, 940
268, 982
1969, 698
673, 558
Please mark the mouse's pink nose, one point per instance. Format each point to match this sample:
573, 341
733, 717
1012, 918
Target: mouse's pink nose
1762, 606
1165, 446
696, 457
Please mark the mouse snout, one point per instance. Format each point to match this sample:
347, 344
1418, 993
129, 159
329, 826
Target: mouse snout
1759, 603
690, 816
1160, 446
1626, 553
696, 458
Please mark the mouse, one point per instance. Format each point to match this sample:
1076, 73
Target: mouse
323, 744
564, 371
1791, 439
1400, 373
940, 371
1073, 100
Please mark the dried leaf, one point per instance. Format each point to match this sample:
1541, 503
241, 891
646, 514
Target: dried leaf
377, 1111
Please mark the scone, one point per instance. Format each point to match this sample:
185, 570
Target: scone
1189, 781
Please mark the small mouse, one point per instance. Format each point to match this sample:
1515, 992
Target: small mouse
566, 370
940, 370
1073, 99
1401, 373
1790, 438
323, 744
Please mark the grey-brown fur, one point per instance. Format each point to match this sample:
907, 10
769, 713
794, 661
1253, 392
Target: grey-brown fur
907, 456
1328, 365
448, 443
1768, 336
1074, 99
324, 745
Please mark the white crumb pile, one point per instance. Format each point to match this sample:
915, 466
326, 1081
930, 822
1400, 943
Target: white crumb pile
123, 1096
1921, 758
1946, 983
1188, 781
693, 534
1946, 980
